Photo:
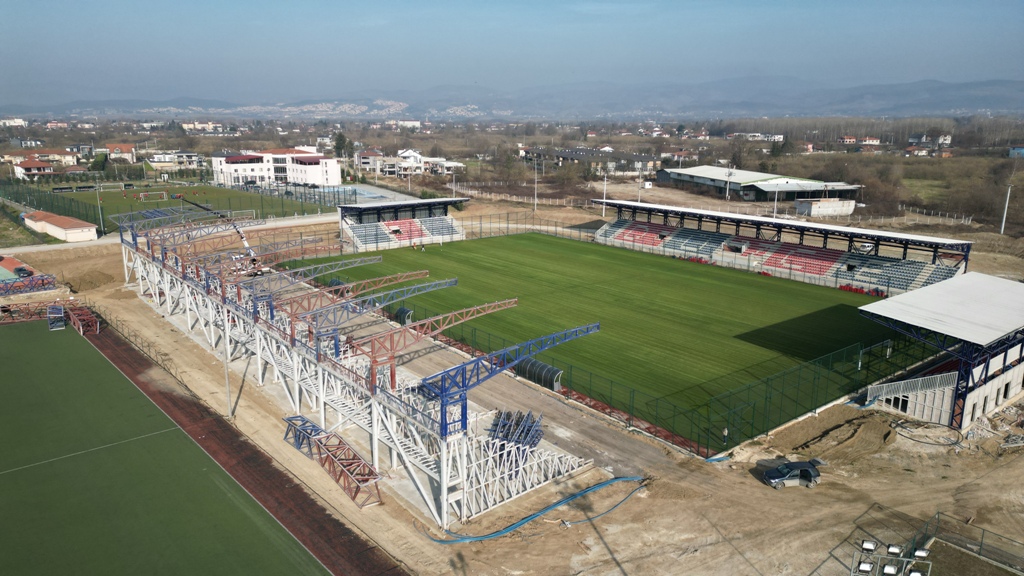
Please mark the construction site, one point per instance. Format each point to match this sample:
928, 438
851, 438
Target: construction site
402, 450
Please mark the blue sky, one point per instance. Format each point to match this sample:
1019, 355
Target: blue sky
258, 51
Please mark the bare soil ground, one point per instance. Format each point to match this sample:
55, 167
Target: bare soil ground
694, 518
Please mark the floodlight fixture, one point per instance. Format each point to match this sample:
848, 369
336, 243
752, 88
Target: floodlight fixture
865, 567
915, 572
921, 553
890, 570
895, 549
868, 546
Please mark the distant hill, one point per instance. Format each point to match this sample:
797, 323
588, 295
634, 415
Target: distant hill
730, 98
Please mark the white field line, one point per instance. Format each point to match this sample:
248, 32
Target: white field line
86, 451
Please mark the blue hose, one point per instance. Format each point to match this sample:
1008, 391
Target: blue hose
461, 538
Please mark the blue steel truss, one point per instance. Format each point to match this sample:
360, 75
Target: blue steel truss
971, 356
228, 256
325, 319
35, 283
517, 428
300, 433
286, 278
452, 386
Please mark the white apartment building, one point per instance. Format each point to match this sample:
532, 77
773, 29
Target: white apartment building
300, 165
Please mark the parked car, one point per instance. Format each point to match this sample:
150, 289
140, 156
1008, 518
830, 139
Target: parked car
22, 272
794, 474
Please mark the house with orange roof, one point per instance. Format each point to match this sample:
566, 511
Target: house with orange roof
63, 228
125, 151
32, 168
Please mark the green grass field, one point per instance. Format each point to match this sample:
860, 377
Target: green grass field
668, 327
95, 479
119, 202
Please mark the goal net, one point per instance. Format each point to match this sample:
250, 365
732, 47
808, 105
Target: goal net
152, 196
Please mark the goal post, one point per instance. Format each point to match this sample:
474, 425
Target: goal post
152, 196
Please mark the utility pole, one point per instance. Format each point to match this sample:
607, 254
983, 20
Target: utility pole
535, 185
605, 190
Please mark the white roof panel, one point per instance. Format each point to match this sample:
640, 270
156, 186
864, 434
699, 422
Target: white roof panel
972, 307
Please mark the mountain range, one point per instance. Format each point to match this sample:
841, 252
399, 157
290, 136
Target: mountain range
768, 96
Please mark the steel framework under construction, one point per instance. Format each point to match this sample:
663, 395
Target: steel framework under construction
300, 336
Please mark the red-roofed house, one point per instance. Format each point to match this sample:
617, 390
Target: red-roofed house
126, 151
57, 156
61, 227
32, 168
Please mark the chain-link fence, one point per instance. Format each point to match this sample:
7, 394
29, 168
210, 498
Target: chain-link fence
995, 547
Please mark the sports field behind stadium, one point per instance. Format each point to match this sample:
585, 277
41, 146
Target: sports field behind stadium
674, 329
95, 479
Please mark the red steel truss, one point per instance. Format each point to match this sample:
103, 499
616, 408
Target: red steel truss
355, 476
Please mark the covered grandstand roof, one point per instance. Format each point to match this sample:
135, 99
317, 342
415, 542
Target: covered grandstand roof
741, 177
972, 307
791, 224
400, 203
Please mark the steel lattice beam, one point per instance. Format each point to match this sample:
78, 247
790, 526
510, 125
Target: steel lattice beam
339, 314
191, 234
328, 296
453, 384
286, 278
382, 348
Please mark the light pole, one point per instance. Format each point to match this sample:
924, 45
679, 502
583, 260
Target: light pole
453, 182
1005, 209
775, 209
99, 206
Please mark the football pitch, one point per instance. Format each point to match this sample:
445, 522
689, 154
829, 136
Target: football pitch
124, 201
674, 329
95, 479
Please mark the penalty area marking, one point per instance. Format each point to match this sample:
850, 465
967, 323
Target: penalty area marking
87, 451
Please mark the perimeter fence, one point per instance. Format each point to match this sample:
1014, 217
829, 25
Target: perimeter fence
310, 202
985, 543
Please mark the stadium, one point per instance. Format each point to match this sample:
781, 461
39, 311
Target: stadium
700, 329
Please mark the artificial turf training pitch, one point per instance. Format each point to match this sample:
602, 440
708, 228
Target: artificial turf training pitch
95, 479
672, 328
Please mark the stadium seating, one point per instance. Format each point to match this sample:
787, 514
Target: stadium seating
939, 273
371, 235
646, 233
404, 230
441, 226
881, 271
701, 242
610, 230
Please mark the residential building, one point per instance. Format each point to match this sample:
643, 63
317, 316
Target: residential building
869, 141
32, 168
300, 165
846, 140
12, 123
27, 142
56, 125
124, 151
56, 156
202, 126
83, 150
174, 161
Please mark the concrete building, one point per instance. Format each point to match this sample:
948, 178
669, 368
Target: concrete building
754, 186
824, 207
61, 227
279, 165
32, 169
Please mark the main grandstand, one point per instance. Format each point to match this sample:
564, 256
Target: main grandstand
882, 263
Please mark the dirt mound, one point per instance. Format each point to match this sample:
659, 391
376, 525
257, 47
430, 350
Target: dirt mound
852, 440
89, 280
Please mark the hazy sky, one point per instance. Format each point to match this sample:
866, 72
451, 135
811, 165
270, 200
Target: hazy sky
258, 51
